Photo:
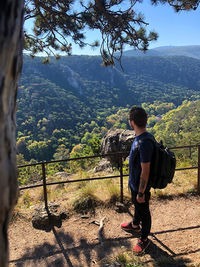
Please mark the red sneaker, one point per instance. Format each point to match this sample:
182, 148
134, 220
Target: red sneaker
128, 227
141, 246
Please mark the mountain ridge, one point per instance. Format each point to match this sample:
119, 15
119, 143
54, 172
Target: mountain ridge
189, 51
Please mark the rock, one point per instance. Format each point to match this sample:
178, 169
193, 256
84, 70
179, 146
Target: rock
117, 141
57, 262
113, 264
62, 175
119, 207
103, 165
45, 220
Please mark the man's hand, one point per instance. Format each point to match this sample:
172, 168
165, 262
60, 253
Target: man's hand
140, 199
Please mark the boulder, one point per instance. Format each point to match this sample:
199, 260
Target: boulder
62, 175
45, 219
120, 207
117, 141
104, 165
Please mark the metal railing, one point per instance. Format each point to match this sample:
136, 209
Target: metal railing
121, 174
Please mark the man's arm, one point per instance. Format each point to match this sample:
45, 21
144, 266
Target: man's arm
144, 177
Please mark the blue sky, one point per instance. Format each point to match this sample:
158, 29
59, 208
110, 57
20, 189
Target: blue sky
174, 29
177, 29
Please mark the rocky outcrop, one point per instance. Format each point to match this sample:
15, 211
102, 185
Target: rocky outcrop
117, 141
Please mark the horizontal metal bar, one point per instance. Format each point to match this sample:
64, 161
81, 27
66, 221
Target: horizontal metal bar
84, 180
95, 156
30, 186
186, 168
179, 147
71, 181
92, 179
70, 159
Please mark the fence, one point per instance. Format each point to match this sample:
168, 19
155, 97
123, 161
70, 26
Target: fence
121, 174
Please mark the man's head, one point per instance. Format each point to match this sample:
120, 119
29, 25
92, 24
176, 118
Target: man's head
138, 116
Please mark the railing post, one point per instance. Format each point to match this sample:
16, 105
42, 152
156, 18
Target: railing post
121, 177
198, 177
44, 185
190, 151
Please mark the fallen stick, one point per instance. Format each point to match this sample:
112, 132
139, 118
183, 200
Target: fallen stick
100, 233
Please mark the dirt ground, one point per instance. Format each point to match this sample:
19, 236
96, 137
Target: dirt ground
175, 238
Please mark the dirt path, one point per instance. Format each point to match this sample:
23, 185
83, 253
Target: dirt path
175, 238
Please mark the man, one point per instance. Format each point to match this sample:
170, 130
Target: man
139, 169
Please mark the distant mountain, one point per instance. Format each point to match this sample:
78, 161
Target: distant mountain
187, 51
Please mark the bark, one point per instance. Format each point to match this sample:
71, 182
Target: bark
11, 44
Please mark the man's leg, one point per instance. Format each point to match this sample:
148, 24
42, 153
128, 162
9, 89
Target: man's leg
134, 225
143, 212
137, 217
145, 216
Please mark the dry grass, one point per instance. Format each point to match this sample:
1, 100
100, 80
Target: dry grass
98, 191
127, 259
183, 182
84, 196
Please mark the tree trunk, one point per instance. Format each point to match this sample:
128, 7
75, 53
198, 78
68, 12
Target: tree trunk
11, 44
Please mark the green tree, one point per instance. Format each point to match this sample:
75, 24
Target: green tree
40, 150
61, 152
21, 146
180, 126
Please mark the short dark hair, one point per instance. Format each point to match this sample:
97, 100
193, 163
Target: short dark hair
139, 116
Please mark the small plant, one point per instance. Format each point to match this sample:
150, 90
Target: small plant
122, 258
126, 167
114, 191
26, 199
128, 260
192, 191
86, 199
84, 204
133, 265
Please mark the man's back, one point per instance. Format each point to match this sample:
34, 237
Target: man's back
141, 151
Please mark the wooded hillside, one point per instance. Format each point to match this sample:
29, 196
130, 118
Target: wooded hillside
61, 102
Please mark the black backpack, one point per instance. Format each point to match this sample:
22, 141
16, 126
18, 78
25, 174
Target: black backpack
163, 165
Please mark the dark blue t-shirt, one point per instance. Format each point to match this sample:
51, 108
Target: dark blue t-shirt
135, 158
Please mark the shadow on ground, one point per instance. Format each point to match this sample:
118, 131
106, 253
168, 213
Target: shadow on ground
163, 255
67, 252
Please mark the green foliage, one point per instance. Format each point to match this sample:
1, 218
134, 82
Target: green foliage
26, 199
52, 168
126, 167
73, 100
61, 152
57, 22
89, 148
40, 150
133, 265
179, 5
180, 127
158, 107
125, 259
29, 175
